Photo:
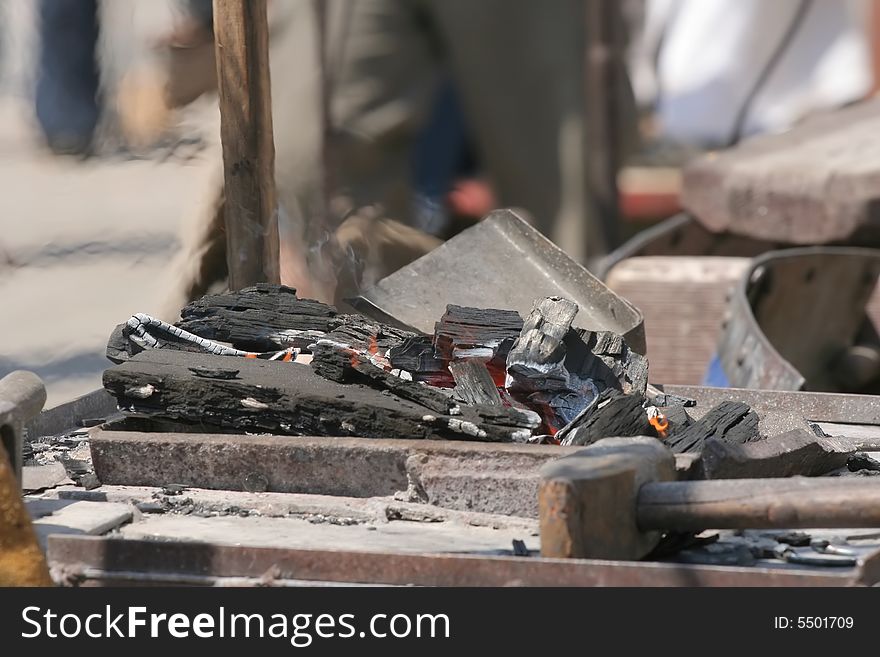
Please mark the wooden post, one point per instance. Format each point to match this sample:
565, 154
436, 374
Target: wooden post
241, 37
603, 121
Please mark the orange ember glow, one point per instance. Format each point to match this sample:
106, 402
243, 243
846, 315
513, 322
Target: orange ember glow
660, 423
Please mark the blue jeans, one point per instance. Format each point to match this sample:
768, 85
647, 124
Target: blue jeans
67, 103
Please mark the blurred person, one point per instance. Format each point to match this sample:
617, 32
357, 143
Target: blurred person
344, 170
716, 71
67, 98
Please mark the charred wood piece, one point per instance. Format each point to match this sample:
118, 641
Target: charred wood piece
292, 399
145, 332
473, 383
796, 452
536, 361
677, 418
562, 370
536, 365
615, 414
861, 461
259, 318
484, 333
366, 334
416, 356
731, 422
121, 346
481, 421
343, 364
665, 400
607, 360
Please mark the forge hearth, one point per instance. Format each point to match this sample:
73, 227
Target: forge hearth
485, 374
262, 361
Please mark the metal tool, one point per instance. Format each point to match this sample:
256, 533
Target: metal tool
615, 498
98, 560
22, 395
791, 555
827, 547
501, 262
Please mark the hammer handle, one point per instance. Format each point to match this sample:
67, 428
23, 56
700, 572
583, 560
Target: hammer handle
760, 504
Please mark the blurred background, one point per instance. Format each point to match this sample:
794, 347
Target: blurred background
397, 123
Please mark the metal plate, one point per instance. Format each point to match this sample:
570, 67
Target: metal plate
814, 406
501, 262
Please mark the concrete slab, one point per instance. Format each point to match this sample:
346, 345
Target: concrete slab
69, 517
295, 533
40, 477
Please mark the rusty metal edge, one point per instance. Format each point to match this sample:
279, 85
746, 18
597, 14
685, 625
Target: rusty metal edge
747, 356
90, 560
67, 416
814, 406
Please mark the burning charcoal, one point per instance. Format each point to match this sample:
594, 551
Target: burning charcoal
606, 359
559, 370
473, 383
732, 422
536, 360
615, 414
536, 370
561, 409
677, 418
487, 334
346, 365
416, 356
365, 334
483, 422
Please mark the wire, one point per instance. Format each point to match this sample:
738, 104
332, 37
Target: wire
796, 22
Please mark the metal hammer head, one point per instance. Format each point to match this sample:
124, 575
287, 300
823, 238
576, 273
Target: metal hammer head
587, 501
22, 396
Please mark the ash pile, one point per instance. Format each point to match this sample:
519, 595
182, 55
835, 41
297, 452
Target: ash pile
263, 361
